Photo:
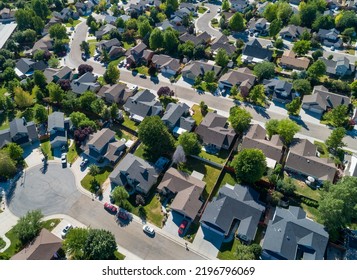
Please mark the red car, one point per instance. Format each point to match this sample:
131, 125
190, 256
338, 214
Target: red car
182, 227
110, 208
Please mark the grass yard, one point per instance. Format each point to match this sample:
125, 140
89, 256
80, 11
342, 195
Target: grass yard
139, 152
210, 173
207, 87
228, 178
303, 189
322, 149
120, 133
119, 256
220, 158
2, 243
201, 10
127, 45
87, 181
14, 247
311, 212
228, 250
50, 224
73, 153
142, 70
129, 123
197, 115
74, 23
92, 43
46, 148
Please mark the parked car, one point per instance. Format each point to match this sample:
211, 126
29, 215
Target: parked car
110, 208
122, 214
84, 57
148, 230
219, 10
64, 158
332, 48
142, 76
182, 227
84, 162
65, 230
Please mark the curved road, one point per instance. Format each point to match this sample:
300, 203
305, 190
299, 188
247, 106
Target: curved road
203, 22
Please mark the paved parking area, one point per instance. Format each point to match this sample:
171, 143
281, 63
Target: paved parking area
53, 190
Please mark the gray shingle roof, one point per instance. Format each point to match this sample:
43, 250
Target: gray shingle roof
290, 235
175, 113
255, 49
143, 104
55, 120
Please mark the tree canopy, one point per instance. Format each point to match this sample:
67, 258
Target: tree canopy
239, 118
112, 74
236, 23
190, 143
335, 140
28, 226
264, 70
287, 130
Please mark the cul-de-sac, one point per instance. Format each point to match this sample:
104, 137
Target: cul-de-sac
178, 130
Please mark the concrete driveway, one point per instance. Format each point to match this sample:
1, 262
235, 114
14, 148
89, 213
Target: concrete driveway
52, 191
207, 244
172, 224
32, 155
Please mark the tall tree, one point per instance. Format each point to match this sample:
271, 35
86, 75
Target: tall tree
28, 226
275, 27
271, 127
156, 39
335, 140
112, 74
240, 119
190, 143
41, 8
264, 70
257, 93
170, 41
7, 165
39, 79
58, 31
144, 28
225, 5
337, 116
40, 113
56, 92
236, 23
287, 130
301, 47
222, 58
293, 106
15, 151
317, 69
120, 195
302, 86
85, 47
22, 98
74, 243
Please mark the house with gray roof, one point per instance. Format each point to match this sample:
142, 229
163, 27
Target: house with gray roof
7, 15
290, 235
292, 32
166, 64
239, 5
5, 137
322, 100
214, 132
103, 146
256, 138
223, 43
177, 118
280, 90
338, 67
198, 68
141, 105
43, 44
25, 67
134, 172
104, 30
21, 132
330, 37
135, 54
199, 39
58, 127
235, 209
186, 191
117, 93
243, 78
303, 160
260, 25
254, 52
87, 81
106, 45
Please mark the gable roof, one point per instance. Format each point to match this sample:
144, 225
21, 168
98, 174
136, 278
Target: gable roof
118, 92
293, 30
55, 120
188, 190
20, 126
237, 77
289, 58
212, 130
290, 235
234, 203
255, 49
223, 43
84, 82
5, 137
334, 63
174, 116
27, 65
200, 68
105, 29
101, 138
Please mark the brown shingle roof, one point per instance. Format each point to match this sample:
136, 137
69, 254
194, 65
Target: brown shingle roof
289, 59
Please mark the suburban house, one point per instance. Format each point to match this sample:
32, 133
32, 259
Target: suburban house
25, 67
243, 78
292, 236
106, 45
134, 172
166, 64
256, 138
198, 68
102, 145
117, 93
20, 132
104, 30
147, 56
66, 14
280, 90
223, 43
235, 209
7, 15
141, 105
261, 7
289, 60
199, 39
239, 5
214, 132
44, 247
166, 24
57, 128
330, 37
186, 191
87, 81
6, 31
177, 118
84, 8
253, 52
56, 75
322, 100
303, 160
292, 32
260, 25
135, 54
43, 44
340, 67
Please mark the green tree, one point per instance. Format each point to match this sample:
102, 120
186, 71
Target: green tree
39, 79
187, 49
40, 113
271, 127
301, 47
38, 55
270, 12
22, 98
58, 31
86, 99
294, 106
7, 165
317, 69
323, 22
170, 41
114, 111
98, 106
284, 12
93, 170
144, 28
286, 186
257, 93
156, 39
316, 54
24, 18
249, 165
353, 87
28, 226
264, 70
15, 151
226, 5
85, 48
76, 118
308, 13
209, 77
305, 35
41, 8
222, 58
120, 195
240, 119
112, 74
346, 19
337, 116
287, 130
152, 131
74, 243
275, 27
190, 143
56, 93
302, 86
100, 245
243, 252
335, 140
53, 62
236, 23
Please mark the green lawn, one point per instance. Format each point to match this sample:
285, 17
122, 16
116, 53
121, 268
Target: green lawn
220, 158
50, 224
2, 243
119, 256
303, 189
207, 87
120, 133
311, 212
139, 152
210, 173
127, 45
197, 115
129, 123
201, 9
322, 148
100, 178
75, 23
92, 46
143, 70
228, 178
73, 153
46, 147
228, 250
15, 245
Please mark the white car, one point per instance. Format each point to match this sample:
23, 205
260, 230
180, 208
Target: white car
219, 10
66, 229
64, 158
148, 230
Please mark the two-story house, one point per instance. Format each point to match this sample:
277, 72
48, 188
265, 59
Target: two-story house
58, 127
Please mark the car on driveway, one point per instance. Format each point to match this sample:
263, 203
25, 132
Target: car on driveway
148, 230
65, 230
182, 227
110, 208
64, 159
84, 162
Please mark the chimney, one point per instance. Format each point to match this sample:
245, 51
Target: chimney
24, 121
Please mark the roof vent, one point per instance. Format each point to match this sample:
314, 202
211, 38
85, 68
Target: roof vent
308, 161
279, 229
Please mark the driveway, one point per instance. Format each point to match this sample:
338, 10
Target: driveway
172, 224
32, 154
52, 191
205, 244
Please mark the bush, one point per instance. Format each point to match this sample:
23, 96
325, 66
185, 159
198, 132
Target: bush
309, 202
214, 21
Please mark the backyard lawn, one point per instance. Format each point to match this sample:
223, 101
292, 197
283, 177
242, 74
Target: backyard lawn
120, 133
139, 152
304, 190
46, 147
100, 178
73, 153
201, 9
92, 46
75, 22
127, 45
129, 123
220, 158
228, 250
